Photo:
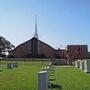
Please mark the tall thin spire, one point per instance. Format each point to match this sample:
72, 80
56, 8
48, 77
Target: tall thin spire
36, 34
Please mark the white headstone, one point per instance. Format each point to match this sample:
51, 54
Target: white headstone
43, 80
82, 65
77, 63
87, 65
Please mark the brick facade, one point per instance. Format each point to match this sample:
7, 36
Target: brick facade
33, 48
77, 51
36, 48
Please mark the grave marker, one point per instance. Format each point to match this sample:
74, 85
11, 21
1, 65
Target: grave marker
43, 80
87, 65
15, 64
82, 65
10, 65
77, 63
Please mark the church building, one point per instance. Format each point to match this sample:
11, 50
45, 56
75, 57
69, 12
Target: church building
35, 48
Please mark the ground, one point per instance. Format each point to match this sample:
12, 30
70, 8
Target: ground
71, 78
24, 77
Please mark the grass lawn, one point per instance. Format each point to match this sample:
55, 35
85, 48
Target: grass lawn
24, 77
71, 78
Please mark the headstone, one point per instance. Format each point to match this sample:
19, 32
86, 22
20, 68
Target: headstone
10, 65
82, 65
77, 63
73, 63
46, 68
43, 80
50, 64
87, 65
15, 64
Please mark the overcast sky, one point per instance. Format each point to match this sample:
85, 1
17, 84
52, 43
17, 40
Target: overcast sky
60, 22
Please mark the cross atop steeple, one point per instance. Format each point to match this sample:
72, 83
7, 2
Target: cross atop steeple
36, 34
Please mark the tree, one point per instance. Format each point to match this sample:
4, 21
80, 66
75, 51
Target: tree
5, 46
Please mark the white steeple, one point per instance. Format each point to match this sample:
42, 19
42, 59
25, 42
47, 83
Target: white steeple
36, 34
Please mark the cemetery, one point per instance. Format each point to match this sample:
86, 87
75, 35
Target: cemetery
29, 75
35, 65
83, 65
44, 45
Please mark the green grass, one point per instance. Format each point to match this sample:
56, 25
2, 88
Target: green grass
71, 78
25, 77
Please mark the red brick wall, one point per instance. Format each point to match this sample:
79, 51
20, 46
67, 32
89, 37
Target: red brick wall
22, 49
73, 51
77, 51
61, 53
25, 48
45, 49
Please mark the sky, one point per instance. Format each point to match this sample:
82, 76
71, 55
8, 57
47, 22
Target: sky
59, 22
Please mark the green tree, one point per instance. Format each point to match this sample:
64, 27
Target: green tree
5, 46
